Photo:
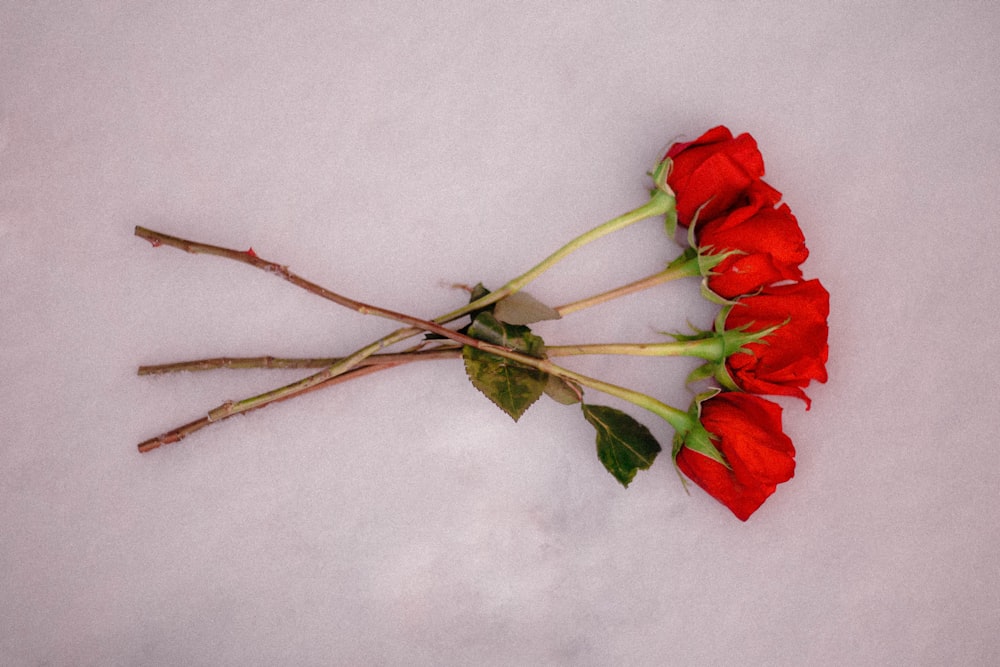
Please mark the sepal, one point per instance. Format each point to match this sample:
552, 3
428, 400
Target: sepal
702, 372
712, 297
699, 334
708, 260
735, 340
660, 174
697, 438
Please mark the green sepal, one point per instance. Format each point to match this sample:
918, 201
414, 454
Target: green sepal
660, 174
691, 238
712, 297
509, 385
624, 445
734, 341
697, 438
703, 372
686, 256
708, 260
699, 334
720, 318
722, 376
670, 222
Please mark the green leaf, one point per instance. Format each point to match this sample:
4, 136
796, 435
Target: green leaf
486, 327
511, 386
522, 308
623, 444
562, 391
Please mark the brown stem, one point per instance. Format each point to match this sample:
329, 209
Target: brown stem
345, 365
281, 362
348, 367
181, 432
249, 257
321, 362
671, 273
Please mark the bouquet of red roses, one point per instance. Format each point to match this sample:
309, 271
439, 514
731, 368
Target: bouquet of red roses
769, 337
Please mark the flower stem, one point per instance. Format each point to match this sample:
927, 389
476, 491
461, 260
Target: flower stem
181, 432
298, 362
158, 239
705, 348
687, 269
675, 417
678, 419
660, 203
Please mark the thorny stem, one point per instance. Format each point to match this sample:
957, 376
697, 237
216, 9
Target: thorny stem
251, 258
181, 432
705, 348
284, 362
661, 202
688, 269
677, 418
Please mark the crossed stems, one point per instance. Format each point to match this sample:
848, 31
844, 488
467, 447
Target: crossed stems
706, 349
359, 363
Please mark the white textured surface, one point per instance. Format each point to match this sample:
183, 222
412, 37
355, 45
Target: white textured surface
386, 151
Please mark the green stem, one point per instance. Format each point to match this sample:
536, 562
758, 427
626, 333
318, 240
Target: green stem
711, 349
681, 421
685, 270
660, 203
181, 432
677, 418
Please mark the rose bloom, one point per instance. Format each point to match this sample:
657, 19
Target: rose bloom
716, 170
747, 430
793, 355
771, 244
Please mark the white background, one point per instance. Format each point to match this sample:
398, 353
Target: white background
388, 151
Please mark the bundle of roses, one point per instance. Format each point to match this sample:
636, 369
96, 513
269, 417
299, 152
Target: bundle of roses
769, 337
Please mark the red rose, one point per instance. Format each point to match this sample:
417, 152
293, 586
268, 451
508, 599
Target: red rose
793, 355
772, 244
747, 430
716, 170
